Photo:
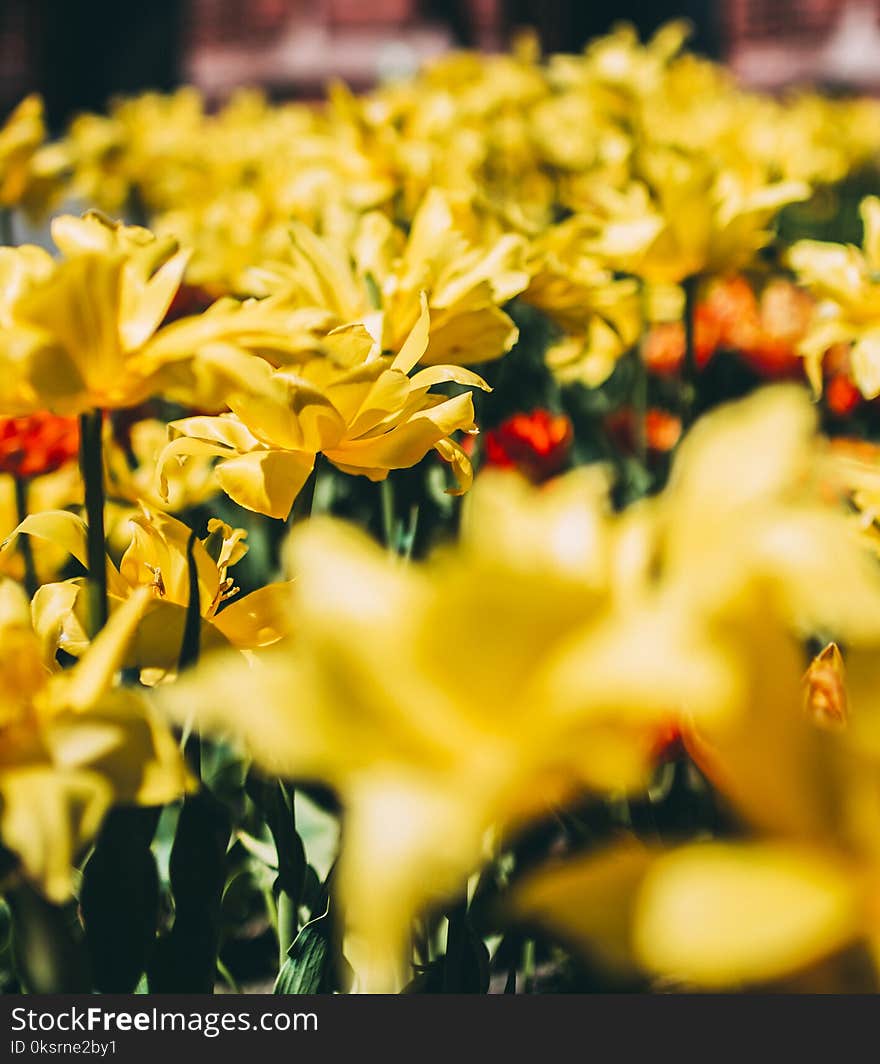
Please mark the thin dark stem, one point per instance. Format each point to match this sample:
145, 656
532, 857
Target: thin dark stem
91, 465
389, 522
191, 645
288, 900
24, 542
302, 505
689, 369
7, 235
640, 384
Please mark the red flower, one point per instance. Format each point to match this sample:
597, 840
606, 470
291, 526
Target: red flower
662, 429
841, 395
537, 444
38, 443
764, 332
664, 347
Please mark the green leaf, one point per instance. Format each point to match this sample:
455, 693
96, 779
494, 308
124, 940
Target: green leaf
119, 899
309, 959
264, 851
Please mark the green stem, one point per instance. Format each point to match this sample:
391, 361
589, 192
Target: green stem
640, 384
227, 977
302, 505
690, 369
91, 463
640, 405
7, 236
386, 489
529, 966
288, 925
24, 542
456, 945
291, 860
409, 540
191, 645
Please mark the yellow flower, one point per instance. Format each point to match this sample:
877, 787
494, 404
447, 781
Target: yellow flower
30, 171
72, 744
557, 598
723, 915
466, 283
156, 558
75, 330
130, 485
601, 315
357, 406
718, 916
801, 887
844, 280
449, 700
684, 218
52, 491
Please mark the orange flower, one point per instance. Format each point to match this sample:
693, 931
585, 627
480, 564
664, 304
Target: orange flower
37, 443
763, 332
825, 689
841, 395
537, 444
662, 429
664, 347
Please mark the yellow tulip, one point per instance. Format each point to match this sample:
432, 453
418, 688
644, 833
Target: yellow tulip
844, 280
465, 283
156, 558
684, 218
600, 314
357, 406
507, 693
31, 172
72, 744
128, 486
75, 331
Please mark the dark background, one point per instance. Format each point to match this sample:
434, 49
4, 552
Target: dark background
79, 53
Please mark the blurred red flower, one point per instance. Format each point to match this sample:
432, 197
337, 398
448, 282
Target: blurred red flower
662, 429
537, 444
730, 316
36, 444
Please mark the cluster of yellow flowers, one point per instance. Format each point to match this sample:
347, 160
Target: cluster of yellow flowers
320, 294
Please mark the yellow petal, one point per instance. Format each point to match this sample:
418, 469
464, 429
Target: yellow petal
865, 361
474, 336
258, 619
267, 482
46, 817
590, 901
408, 443
728, 915
869, 209
93, 674
416, 343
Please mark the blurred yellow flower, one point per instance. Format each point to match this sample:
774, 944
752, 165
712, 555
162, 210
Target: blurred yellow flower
31, 172
466, 283
75, 330
72, 744
684, 218
433, 754
844, 280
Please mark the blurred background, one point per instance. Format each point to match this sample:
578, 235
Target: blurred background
78, 53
